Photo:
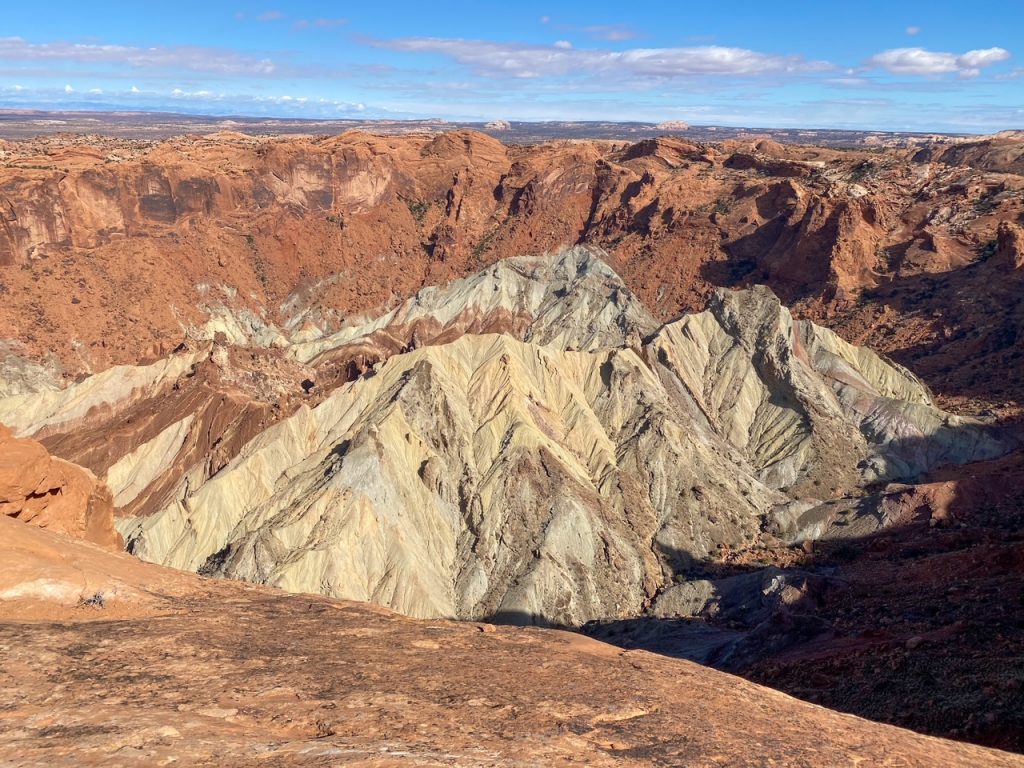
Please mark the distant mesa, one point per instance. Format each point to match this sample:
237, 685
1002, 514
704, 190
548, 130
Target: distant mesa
498, 125
673, 125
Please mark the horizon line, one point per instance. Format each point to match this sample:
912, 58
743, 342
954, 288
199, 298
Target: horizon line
13, 111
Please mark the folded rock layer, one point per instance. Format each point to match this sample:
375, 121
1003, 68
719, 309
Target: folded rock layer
524, 443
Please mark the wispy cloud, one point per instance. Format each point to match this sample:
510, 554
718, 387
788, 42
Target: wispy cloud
319, 23
518, 60
611, 32
185, 57
199, 101
913, 31
921, 62
271, 15
296, 103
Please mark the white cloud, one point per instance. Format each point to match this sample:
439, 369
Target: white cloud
135, 89
283, 100
96, 91
200, 102
563, 44
530, 61
918, 61
192, 58
913, 31
985, 57
68, 89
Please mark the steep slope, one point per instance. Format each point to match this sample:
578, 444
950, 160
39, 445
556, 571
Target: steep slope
571, 299
170, 667
805, 405
491, 476
484, 476
152, 431
113, 251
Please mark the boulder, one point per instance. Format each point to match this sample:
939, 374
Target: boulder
54, 494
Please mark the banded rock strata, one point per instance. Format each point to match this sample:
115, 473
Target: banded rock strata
111, 250
525, 443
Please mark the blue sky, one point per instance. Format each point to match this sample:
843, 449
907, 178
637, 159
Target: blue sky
924, 66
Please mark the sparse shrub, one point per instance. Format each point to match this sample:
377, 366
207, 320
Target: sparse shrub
96, 601
985, 204
862, 171
484, 244
418, 209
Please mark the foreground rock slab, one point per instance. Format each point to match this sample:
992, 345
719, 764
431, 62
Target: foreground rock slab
217, 673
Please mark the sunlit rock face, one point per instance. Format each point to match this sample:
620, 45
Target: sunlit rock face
527, 442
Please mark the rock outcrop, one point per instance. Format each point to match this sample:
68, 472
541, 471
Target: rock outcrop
54, 494
525, 442
211, 672
522, 443
232, 234
571, 299
1010, 245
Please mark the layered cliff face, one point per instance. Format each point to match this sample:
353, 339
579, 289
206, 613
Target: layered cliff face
116, 253
307, 363
526, 442
157, 429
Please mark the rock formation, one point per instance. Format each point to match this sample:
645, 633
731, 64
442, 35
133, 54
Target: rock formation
525, 442
325, 364
111, 660
54, 494
319, 231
